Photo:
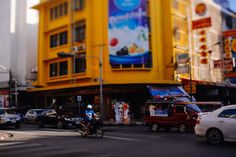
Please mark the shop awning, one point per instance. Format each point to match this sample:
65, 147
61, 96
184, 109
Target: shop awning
169, 91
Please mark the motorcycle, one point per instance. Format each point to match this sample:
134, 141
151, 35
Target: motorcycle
95, 128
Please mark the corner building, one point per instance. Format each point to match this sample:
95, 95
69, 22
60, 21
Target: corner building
132, 40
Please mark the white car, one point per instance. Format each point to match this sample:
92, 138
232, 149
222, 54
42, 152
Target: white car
217, 126
8, 117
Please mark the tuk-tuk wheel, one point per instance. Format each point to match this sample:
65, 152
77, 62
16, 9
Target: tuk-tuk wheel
182, 127
154, 127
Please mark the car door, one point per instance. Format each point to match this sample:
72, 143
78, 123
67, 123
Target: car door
51, 117
227, 123
30, 115
180, 114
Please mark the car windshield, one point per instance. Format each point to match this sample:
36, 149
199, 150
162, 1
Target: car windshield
193, 107
39, 111
8, 111
2, 111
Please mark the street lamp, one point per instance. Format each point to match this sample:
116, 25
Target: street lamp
100, 61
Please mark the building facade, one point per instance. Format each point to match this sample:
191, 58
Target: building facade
109, 51
18, 52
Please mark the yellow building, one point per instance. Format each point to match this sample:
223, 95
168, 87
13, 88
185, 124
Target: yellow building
136, 45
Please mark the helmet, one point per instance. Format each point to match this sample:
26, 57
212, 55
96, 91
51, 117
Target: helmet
89, 106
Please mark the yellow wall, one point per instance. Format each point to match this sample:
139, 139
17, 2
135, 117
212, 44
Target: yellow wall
96, 16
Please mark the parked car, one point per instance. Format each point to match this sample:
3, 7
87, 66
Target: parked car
32, 115
9, 117
217, 126
167, 114
51, 117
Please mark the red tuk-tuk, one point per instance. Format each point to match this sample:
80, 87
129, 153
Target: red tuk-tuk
166, 114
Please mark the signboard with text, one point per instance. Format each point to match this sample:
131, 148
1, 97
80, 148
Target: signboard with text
202, 23
128, 32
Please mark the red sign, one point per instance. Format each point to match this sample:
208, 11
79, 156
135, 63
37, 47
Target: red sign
202, 23
4, 92
223, 63
229, 33
230, 75
201, 9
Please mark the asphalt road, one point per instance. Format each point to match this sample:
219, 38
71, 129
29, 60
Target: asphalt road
30, 141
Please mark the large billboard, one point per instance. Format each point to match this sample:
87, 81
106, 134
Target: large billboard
128, 32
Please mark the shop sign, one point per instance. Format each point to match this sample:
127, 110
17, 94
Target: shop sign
229, 33
182, 58
121, 110
186, 84
223, 63
202, 23
201, 9
79, 98
163, 92
182, 69
128, 32
230, 75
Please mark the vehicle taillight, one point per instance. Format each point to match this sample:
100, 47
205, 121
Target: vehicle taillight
198, 120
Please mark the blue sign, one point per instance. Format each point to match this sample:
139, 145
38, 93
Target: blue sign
127, 5
128, 32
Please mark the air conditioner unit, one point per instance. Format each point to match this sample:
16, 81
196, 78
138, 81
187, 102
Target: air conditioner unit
75, 48
82, 46
34, 69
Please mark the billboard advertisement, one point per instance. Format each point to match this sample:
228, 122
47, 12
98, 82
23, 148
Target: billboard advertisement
128, 32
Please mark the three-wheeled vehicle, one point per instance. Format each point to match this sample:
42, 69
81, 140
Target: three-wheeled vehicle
168, 113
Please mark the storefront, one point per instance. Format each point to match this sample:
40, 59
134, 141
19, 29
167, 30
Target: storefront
4, 98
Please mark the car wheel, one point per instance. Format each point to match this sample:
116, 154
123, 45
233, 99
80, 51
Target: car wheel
154, 127
100, 132
182, 128
40, 124
214, 136
59, 124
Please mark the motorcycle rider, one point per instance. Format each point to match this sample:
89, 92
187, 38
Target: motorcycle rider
89, 114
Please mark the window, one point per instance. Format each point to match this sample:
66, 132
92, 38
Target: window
63, 67
229, 22
61, 10
63, 38
228, 113
59, 69
65, 8
80, 65
53, 69
53, 41
55, 12
80, 31
179, 109
51, 14
58, 11
79, 4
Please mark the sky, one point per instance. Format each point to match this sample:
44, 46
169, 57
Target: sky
233, 5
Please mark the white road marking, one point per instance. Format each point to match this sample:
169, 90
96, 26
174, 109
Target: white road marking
122, 138
19, 145
11, 143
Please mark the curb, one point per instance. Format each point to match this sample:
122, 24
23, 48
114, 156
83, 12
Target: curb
123, 123
5, 136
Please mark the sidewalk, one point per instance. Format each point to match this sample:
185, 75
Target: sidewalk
5, 136
131, 123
